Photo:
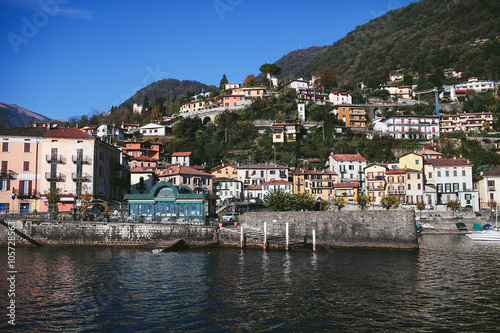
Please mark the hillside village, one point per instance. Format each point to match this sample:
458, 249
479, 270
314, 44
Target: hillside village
69, 167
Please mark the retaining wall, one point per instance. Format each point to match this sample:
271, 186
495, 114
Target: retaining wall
392, 229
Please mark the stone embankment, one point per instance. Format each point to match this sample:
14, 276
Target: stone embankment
375, 229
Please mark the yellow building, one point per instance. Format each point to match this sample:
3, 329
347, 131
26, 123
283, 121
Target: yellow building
346, 190
225, 171
352, 116
411, 161
375, 181
321, 184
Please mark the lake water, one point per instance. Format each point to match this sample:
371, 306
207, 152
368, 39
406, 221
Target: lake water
451, 284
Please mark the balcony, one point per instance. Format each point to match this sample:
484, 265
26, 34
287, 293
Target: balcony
54, 176
375, 188
80, 177
6, 174
26, 193
53, 158
81, 159
394, 192
491, 188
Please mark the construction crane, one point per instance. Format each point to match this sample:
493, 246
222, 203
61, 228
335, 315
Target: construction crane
436, 91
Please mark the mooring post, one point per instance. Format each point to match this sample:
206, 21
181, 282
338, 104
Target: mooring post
314, 240
265, 235
242, 239
287, 236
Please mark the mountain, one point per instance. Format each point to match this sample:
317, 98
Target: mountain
423, 37
12, 115
167, 88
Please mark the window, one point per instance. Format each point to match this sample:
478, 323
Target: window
430, 174
27, 147
5, 185
5, 146
447, 173
439, 173
417, 162
26, 165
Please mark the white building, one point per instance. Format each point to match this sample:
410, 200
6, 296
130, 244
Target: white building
452, 179
153, 130
227, 188
408, 127
338, 97
182, 158
349, 167
277, 185
298, 85
256, 174
229, 86
475, 84
137, 108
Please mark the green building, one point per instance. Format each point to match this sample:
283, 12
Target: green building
168, 203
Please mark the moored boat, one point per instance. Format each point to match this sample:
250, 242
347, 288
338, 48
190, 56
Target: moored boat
485, 235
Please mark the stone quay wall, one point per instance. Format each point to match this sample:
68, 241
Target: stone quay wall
385, 229
110, 234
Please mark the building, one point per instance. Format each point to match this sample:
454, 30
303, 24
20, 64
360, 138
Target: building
229, 86
486, 184
169, 203
137, 108
465, 122
149, 149
154, 130
474, 84
198, 181
142, 180
375, 181
256, 174
396, 183
412, 161
411, 127
285, 131
225, 171
182, 158
346, 190
200, 105
338, 97
298, 85
77, 163
321, 184
256, 92
414, 186
452, 179
20, 169
130, 128
228, 188
228, 101
312, 96
353, 116
349, 167
276, 185
399, 91
107, 131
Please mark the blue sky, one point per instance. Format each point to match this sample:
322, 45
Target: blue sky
61, 58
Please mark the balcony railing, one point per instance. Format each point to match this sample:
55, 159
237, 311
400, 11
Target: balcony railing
375, 188
53, 158
396, 192
81, 159
491, 188
6, 174
26, 193
54, 176
80, 177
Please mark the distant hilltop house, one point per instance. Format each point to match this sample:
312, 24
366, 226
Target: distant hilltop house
154, 130
353, 116
182, 158
298, 85
399, 91
137, 108
285, 131
408, 127
475, 84
230, 86
338, 97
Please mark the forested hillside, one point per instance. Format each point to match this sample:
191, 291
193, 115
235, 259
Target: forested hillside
423, 37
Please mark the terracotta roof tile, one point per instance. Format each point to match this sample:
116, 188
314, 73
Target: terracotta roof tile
348, 157
67, 132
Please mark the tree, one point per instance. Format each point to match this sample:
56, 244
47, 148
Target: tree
408, 79
420, 206
339, 203
223, 82
454, 205
250, 81
327, 79
145, 103
156, 114
304, 201
279, 200
53, 200
364, 201
270, 70
389, 202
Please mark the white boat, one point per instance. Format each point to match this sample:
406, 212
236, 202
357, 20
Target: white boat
485, 235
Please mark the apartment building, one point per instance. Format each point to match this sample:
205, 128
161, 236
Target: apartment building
256, 174
285, 131
465, 122
352, 116
375, 181
321, 184
349, 167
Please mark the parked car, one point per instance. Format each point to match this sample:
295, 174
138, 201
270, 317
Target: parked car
231, 217
227, 201
255, 200
429, 207
407, 206
376, 203
351, 202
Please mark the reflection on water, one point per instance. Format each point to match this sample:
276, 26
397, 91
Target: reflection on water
450, 284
